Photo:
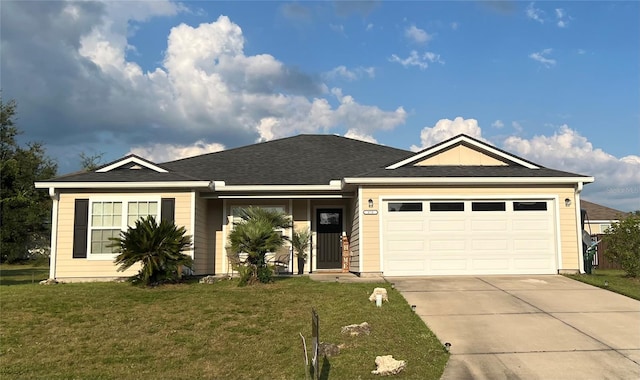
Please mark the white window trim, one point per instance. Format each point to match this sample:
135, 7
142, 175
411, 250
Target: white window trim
123, 223
231, 216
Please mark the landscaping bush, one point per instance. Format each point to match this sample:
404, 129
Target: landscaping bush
623, 244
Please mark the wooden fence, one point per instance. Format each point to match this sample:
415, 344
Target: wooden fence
599, 260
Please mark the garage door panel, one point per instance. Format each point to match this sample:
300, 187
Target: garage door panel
528, 263
469, 242
447, 225
490, 245
488, 225
447, 245
449, 265
406, 245
531, 225
402, 226
498, 264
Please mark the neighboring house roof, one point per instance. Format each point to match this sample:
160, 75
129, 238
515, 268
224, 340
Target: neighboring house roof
313, 160
601, 213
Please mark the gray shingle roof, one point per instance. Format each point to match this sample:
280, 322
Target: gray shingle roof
301, 160
599, 212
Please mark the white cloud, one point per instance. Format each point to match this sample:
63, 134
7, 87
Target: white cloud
541, 57
206, 88
497, 124
535, 13
446, 129
350, 75
562, 20
417, 35
617, 179
169, 152
517, 126
357, 135
455, 25
414, 59
369, 27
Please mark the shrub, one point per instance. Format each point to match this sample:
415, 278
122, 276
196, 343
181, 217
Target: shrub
622, 240
158, 247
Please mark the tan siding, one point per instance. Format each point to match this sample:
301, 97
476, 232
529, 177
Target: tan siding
300, 222
567, 218
354, 241
214, 232
461, 155
70, 268
201, 238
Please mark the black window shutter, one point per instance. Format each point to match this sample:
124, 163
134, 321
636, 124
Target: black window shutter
80, 228
168, 209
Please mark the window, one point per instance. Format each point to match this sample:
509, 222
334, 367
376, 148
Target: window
604, 227
405, 206
529, 206
488, 206
236, 211
109, 217
446, 206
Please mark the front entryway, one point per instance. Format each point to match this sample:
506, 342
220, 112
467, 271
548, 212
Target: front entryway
329, 233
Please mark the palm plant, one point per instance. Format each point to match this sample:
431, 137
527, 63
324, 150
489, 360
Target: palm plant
256, 235
301, 240
158, 247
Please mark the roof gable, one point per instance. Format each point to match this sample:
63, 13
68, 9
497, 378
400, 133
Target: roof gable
131, 162
463, 150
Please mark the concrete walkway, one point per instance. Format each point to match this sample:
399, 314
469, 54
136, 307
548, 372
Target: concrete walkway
528, 327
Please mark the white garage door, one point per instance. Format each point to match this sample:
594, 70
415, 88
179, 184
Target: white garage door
456, 237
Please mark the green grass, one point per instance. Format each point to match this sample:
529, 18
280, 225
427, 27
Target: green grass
118, 331
617, 281
22, 274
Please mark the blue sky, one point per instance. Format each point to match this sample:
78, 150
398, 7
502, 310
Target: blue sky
555, 82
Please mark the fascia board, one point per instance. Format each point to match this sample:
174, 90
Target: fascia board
122, 185
469, 180
460, 139
129, 160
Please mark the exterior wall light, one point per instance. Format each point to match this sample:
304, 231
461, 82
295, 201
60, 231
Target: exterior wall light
567, 202
370, 203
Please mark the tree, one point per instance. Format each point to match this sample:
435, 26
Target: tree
24, 211
158, 247
622, 240
256, 235
90, 163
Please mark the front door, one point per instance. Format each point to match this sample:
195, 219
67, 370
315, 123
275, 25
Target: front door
329, 233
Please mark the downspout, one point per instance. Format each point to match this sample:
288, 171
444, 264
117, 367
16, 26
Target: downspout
53, 254
579, 226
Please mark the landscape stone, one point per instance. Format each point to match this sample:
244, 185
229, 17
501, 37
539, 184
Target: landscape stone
355, 330
208, 280
381, 291
328, 349
387, 365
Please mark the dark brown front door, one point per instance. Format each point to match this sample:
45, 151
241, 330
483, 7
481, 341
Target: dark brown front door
329, 229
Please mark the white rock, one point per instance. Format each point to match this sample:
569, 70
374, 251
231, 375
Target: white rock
387, 365
381, 291
354, 330
50, 281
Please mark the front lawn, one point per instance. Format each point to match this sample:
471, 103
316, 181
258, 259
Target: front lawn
118, 331
616, 281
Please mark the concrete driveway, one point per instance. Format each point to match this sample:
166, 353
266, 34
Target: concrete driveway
528, 327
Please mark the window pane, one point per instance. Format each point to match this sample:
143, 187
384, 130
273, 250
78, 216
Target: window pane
132, 220
488, 206
133, 208
529, 206
153, 208
117, 208
107, 208
405, 206
96, 221
96, 208
446, 206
